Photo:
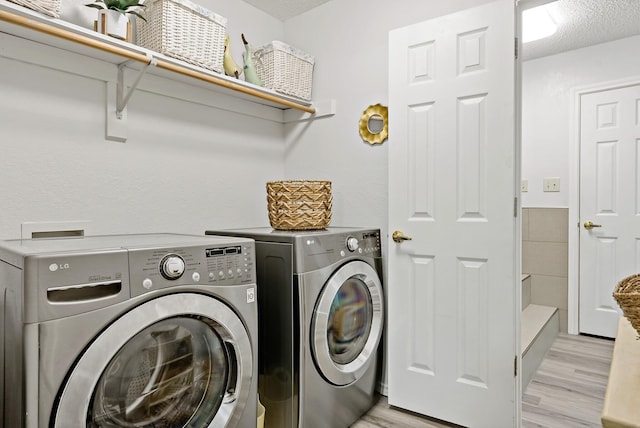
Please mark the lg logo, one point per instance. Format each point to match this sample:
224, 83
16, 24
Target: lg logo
54, 266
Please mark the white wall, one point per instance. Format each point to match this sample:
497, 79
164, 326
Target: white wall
546, 120
185, 167
349, 39
50, 151
173, 172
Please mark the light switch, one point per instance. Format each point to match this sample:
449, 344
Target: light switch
551, 184
525, 186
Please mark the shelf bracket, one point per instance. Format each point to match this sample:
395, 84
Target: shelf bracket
323, 108
121, 98
116, 121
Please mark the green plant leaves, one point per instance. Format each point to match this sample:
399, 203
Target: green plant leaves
122, 6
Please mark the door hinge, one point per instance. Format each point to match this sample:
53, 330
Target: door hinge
515, 366
515, 207
516, 47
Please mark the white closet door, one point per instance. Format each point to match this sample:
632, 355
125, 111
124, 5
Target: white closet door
453, 317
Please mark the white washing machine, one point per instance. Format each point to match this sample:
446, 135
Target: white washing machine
320, 301
154, 330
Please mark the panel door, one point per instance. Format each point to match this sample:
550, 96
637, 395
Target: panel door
610, 199
453, 316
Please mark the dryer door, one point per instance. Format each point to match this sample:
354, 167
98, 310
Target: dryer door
181, 360
347, 323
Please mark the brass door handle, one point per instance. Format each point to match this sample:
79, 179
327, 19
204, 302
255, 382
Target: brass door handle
590, 225
398, 236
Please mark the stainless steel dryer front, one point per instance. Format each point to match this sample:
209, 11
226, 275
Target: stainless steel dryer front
153, 330
320, 301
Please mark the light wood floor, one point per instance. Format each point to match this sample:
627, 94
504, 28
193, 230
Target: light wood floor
567, 390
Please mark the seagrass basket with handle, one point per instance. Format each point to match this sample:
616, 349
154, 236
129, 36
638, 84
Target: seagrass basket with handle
627, 294
299, 204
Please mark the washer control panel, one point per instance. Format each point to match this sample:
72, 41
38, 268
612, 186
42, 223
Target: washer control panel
224, 265
362, 243
227, 263
317, 250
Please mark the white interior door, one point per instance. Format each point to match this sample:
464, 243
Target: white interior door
453, 318
610, 199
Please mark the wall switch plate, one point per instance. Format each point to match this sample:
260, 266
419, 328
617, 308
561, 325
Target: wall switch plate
524, 187
551, 184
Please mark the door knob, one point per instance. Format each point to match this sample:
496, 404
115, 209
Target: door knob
398, 236
590, 225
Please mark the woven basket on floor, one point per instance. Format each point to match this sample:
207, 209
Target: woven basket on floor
627, 294
299, 204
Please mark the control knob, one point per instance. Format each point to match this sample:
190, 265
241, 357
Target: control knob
352, 243
172, 266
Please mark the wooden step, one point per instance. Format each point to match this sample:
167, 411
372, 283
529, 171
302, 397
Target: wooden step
539, 327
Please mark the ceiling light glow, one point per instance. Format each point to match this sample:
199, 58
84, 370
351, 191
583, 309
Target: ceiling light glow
537, 24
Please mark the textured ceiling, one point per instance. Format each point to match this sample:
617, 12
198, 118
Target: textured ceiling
581, 23
584, 23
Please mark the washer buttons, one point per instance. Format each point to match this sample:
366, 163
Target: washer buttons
196, 276
147, 283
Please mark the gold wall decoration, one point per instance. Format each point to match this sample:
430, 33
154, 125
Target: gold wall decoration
374, 124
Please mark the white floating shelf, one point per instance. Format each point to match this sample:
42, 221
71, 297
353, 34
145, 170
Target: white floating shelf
24, 23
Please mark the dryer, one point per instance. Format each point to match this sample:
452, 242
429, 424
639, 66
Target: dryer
320, 301
129, 330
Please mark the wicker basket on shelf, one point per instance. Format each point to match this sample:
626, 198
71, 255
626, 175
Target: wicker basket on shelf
285, 69
299, 204
627, 294
183, 30
48, 7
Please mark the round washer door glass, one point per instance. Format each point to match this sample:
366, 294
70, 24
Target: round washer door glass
180, 360
173, 373
347, 323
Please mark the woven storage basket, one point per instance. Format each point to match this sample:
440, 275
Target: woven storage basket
48, 7
627, 294
299, 204
183, 30
285, 69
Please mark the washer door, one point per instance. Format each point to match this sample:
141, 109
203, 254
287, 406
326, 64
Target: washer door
347, 323
181, 360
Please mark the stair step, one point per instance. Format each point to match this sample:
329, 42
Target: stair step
532, 322
539, 327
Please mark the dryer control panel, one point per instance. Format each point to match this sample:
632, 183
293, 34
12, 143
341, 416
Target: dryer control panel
318, 250
225, 265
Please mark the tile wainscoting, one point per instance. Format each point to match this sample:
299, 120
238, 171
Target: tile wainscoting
545, 256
